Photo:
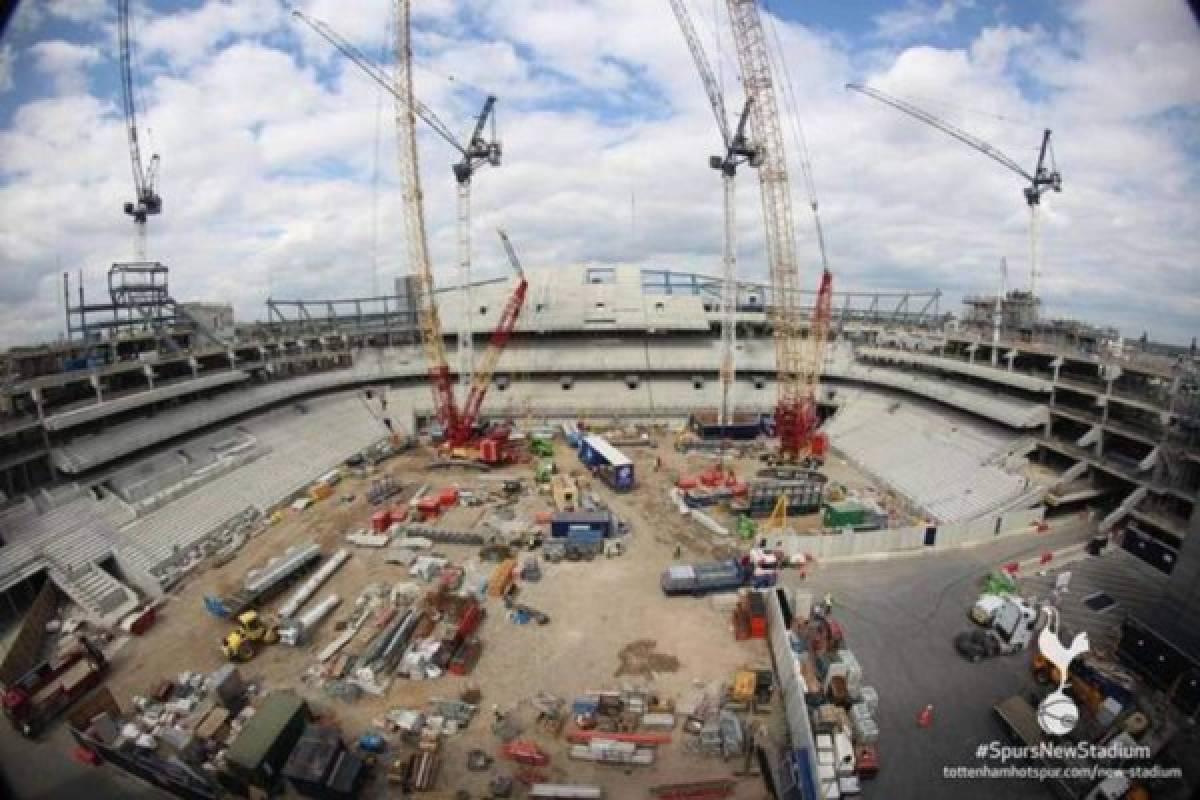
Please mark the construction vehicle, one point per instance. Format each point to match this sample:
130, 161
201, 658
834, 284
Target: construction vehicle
746, 528
737, 150
35, 699
251, 634
458, 426
565, 492
798, 357
1011, 630
721, 576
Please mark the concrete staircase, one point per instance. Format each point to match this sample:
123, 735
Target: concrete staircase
103, 598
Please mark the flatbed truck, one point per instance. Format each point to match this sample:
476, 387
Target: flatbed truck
720, 576
33, 701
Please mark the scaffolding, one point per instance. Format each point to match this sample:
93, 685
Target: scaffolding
139, 304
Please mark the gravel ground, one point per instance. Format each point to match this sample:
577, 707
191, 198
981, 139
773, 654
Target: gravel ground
900, 616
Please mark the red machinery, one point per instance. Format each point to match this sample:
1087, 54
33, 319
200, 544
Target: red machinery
46, 690
796, 414
458, 426
525, 752
493, 447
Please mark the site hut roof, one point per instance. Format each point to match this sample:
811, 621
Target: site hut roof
610, 454
268, 736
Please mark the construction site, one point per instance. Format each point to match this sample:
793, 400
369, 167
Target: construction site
596, 531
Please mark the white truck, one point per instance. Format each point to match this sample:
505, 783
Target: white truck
1012, 628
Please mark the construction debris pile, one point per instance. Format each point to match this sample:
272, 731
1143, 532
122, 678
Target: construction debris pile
201, 735
843, 709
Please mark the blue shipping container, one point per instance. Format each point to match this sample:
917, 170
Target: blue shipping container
582, 535
600, 522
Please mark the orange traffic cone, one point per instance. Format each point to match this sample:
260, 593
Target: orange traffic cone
925, 718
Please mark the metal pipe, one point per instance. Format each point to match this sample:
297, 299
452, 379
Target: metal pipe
710, 523
282, 567
299, 629
307, 589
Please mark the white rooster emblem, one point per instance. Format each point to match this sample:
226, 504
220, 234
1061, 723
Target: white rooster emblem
1058, 714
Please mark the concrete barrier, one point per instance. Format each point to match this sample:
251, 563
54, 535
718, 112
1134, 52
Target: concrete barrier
907, 541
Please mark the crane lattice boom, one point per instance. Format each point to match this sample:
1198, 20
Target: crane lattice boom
414, 224
797, 363
457, 424
146, 201
1043, 177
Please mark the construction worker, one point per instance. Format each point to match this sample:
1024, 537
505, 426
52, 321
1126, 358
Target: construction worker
828, 604
678, 552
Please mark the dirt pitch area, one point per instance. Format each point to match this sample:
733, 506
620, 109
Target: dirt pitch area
610, 625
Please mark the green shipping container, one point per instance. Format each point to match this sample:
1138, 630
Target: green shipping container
259, 752
845, 514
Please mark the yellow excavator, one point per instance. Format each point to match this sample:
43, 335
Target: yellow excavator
244, 641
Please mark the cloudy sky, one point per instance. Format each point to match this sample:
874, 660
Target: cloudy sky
278, 157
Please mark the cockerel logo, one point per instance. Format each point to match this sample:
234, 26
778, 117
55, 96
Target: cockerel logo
1058, 714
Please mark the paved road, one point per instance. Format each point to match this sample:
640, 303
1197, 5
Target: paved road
900, 618
44, 770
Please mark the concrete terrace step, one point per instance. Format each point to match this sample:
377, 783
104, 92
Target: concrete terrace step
103, 598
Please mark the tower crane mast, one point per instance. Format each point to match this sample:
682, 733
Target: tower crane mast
458, 425
477, 152
737, 150
1044, 177
798, 357
147, 201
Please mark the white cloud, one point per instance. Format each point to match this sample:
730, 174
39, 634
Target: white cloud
66, 64
80, 11
189, 36
267, 139
916, 18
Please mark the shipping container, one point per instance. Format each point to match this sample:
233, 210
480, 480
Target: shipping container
321, 767
744, 426
613, 466
602, 522
259, 752
844, 514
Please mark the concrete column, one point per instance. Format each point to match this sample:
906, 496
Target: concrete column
35, 395
195, 365
148, 371
1010, 357
229, 354
97, 387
